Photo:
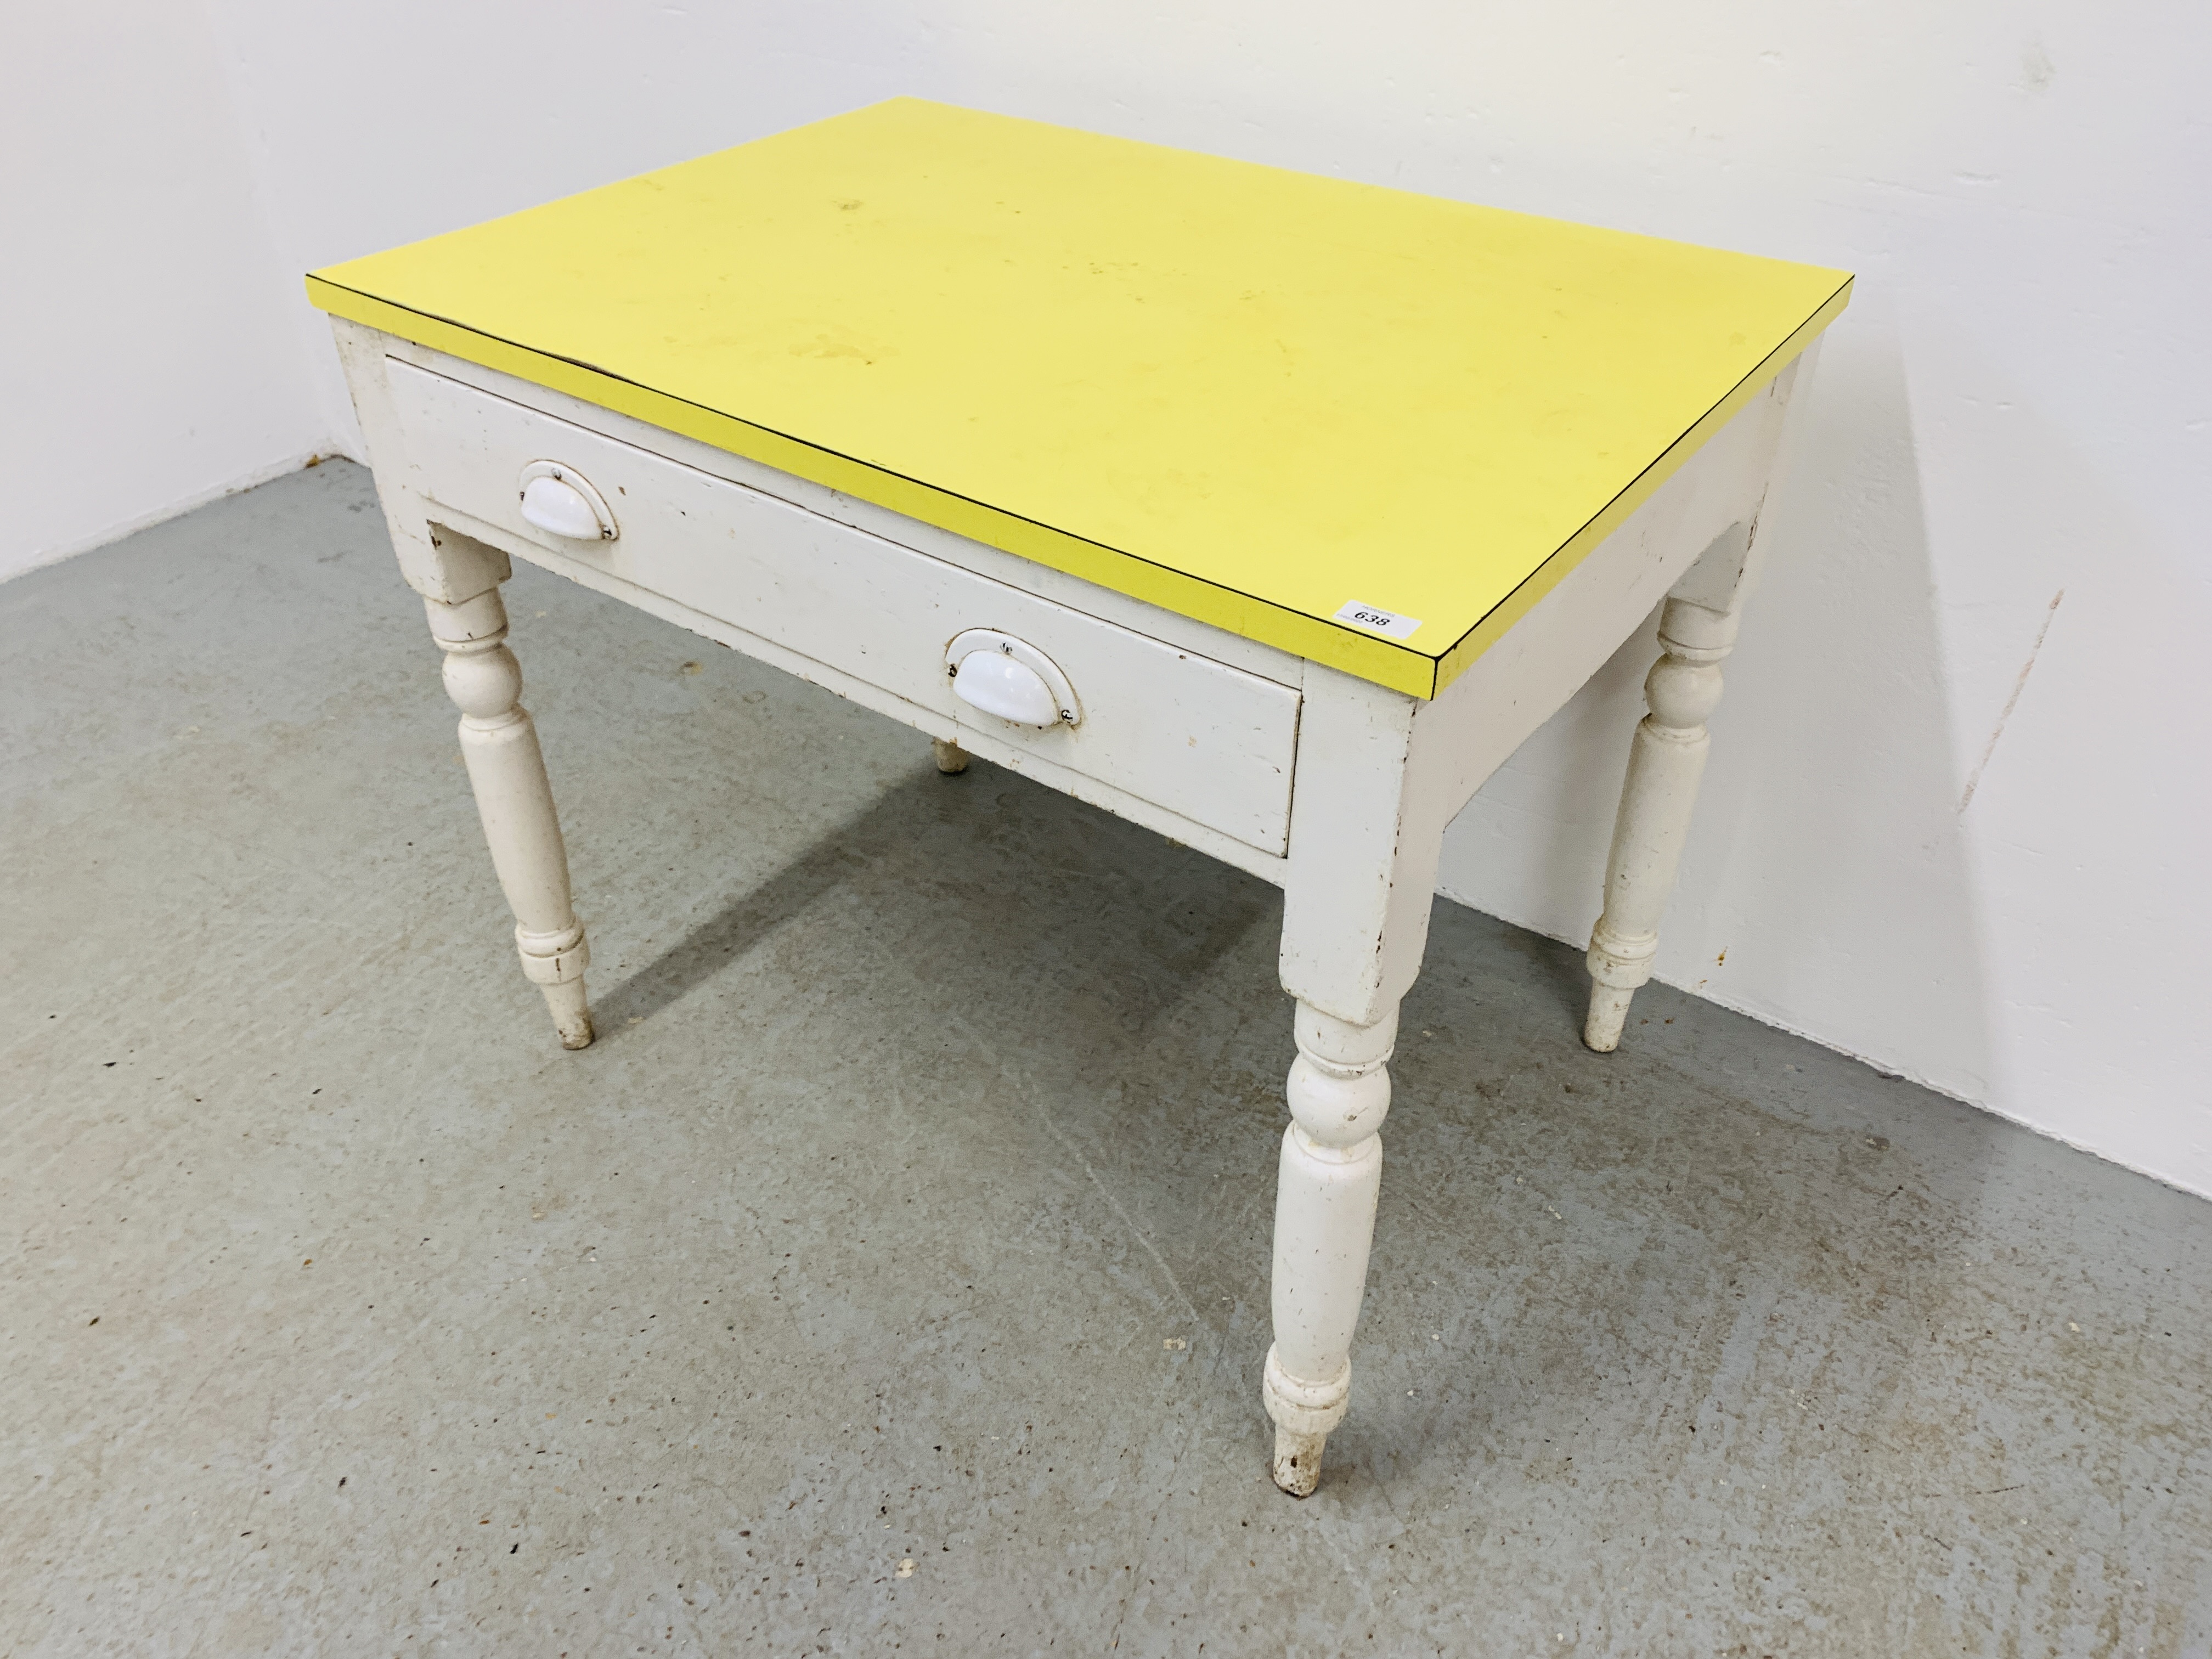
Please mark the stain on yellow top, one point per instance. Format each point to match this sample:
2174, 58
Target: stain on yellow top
1248, 395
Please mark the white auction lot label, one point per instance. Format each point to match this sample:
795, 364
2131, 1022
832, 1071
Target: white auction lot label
1375, 620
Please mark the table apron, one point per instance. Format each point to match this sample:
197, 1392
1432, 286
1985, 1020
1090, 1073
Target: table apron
1208, 742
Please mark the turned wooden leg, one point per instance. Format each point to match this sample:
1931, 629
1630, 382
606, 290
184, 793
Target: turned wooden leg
500, 743
1325, 1194
1664, 764
950, 756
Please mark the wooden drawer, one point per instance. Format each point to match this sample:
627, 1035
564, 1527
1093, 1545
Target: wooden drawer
1211, 743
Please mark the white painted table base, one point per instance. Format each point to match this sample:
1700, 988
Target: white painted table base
499, 742
1378, 775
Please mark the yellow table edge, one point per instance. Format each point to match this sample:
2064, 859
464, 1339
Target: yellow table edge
1368, 657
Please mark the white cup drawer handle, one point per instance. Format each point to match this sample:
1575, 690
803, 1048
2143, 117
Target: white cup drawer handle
999, 685
561, 501
1010, 679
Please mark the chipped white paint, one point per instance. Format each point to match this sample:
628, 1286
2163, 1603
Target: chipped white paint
1329, 1179
1172, 723
1666, 757
1380, 778
1664, 765
498, 741
1181, 728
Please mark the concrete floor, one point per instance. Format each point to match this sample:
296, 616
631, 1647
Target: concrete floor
914, 1209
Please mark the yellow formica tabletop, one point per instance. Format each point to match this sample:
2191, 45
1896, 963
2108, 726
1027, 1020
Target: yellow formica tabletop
1368, 426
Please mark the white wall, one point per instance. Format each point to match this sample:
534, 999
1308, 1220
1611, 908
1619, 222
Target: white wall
147, 363
2016, 406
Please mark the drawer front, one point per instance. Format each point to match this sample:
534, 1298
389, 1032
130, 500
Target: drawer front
1212, 742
